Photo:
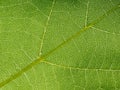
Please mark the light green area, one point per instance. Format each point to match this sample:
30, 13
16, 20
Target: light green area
31, 28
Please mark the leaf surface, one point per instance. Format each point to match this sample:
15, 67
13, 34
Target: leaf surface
59, 45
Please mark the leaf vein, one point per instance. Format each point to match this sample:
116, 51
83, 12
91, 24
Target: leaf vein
78, 68
45, 27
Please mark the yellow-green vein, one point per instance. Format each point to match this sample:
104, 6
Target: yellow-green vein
45, 27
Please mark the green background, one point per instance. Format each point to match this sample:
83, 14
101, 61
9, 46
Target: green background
31, 28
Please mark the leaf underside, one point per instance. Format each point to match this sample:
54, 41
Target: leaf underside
59, 45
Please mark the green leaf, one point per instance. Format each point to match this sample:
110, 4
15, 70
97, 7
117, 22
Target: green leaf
59, 45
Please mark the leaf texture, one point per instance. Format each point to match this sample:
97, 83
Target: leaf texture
59, 45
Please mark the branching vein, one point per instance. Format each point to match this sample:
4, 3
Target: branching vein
78, 68
45, 27
104, 31
86, 16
